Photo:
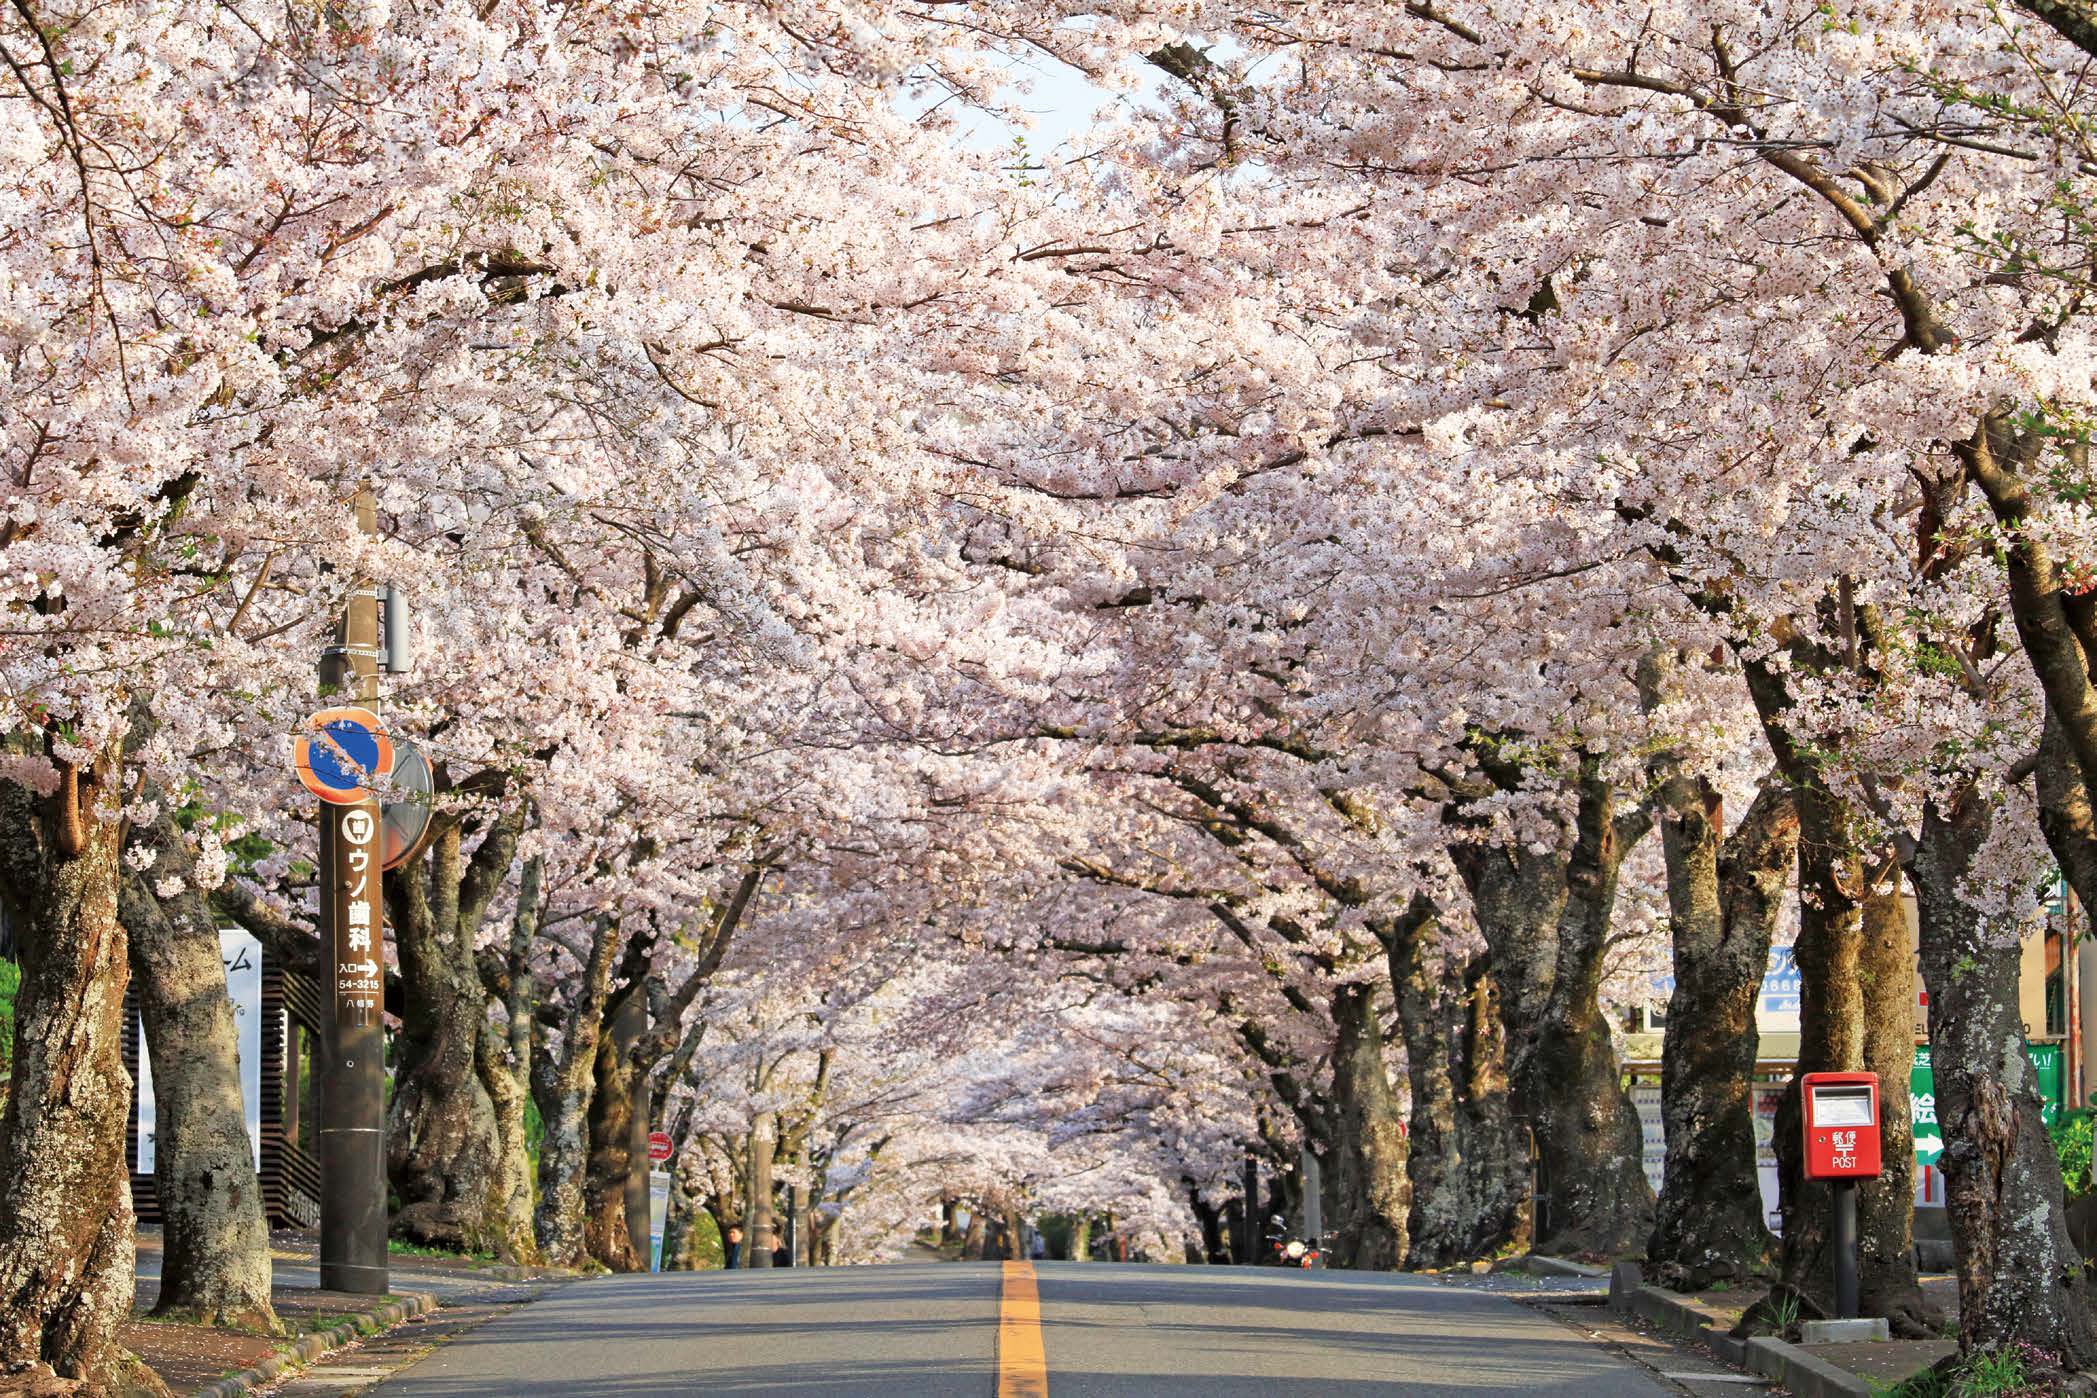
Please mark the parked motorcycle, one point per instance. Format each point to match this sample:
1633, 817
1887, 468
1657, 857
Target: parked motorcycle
1305, 1253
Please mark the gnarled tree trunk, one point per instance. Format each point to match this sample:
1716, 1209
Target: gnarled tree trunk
759, 1224
1465, 1162
1496, 1151
1847, 1021
1831, 1022
1366, 1167
1724, 898
504, 1061
562, 1084
1887, 1282
66, 1243
2020, 1276
1546, 920
605, 1233
215, 1263
442, 1144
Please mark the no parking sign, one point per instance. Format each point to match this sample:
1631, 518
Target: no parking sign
340, 752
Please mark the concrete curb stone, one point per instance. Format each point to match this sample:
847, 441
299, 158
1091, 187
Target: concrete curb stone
1663, 1310
312, 1346
1806, 1375
1564, 1267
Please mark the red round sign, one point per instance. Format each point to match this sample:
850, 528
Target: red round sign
659, 1148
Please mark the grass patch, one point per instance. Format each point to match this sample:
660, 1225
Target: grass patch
2016, 1372
10, 983
396, 1247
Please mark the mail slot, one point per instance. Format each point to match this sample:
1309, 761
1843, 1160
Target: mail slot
1841, 1112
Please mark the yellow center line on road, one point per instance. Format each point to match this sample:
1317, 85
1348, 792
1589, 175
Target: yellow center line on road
1022, 1365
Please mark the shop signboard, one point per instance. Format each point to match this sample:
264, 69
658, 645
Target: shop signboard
1653, 1128
2048, 1066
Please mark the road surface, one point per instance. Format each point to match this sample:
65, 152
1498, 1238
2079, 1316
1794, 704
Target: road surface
986, 1331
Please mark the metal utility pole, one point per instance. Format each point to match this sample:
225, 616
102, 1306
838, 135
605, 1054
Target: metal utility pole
1313, 1198
352, 1134
1255, 1226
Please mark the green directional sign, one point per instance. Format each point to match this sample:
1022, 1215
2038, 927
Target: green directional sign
1922, 1097
2046, 1061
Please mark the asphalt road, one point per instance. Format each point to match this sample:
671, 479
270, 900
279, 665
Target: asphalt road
930, 1331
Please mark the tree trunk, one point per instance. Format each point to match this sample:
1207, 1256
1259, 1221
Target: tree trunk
1496, 1149
508, 1228
66, 1242
505, 1066
1248, 1243
1723, 908
1368, 1162
640, 1215
443, 1142
1546, 921
1593, 1143
605, 1233
759, 1224
563, 1087
1468, 1200
1831, 1023
972, 1237
2020, 1276
1210, 1220
215, 1263
1887, 1284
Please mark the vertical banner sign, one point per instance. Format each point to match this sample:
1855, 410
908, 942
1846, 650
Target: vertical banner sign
242, 956
1653, 1129
358, 989
658, 1215
353, 1110
1765, 1096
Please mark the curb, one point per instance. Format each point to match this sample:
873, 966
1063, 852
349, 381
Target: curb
314, 1344
1806, 1375
1665, 1312
1564, 1267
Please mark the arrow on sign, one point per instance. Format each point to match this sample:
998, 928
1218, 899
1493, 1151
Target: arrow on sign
364, 968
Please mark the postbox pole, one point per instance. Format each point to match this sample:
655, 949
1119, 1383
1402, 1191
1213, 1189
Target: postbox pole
1845, 1249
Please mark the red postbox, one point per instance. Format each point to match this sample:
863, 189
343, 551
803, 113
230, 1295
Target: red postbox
1841, 1112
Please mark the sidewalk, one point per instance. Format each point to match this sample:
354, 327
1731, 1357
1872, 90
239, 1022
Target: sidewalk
1849, 1370
190, 1357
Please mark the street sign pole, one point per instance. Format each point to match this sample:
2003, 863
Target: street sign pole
352, 1084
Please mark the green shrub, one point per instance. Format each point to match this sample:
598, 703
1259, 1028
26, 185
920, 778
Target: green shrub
2072, 1135
707, 1253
